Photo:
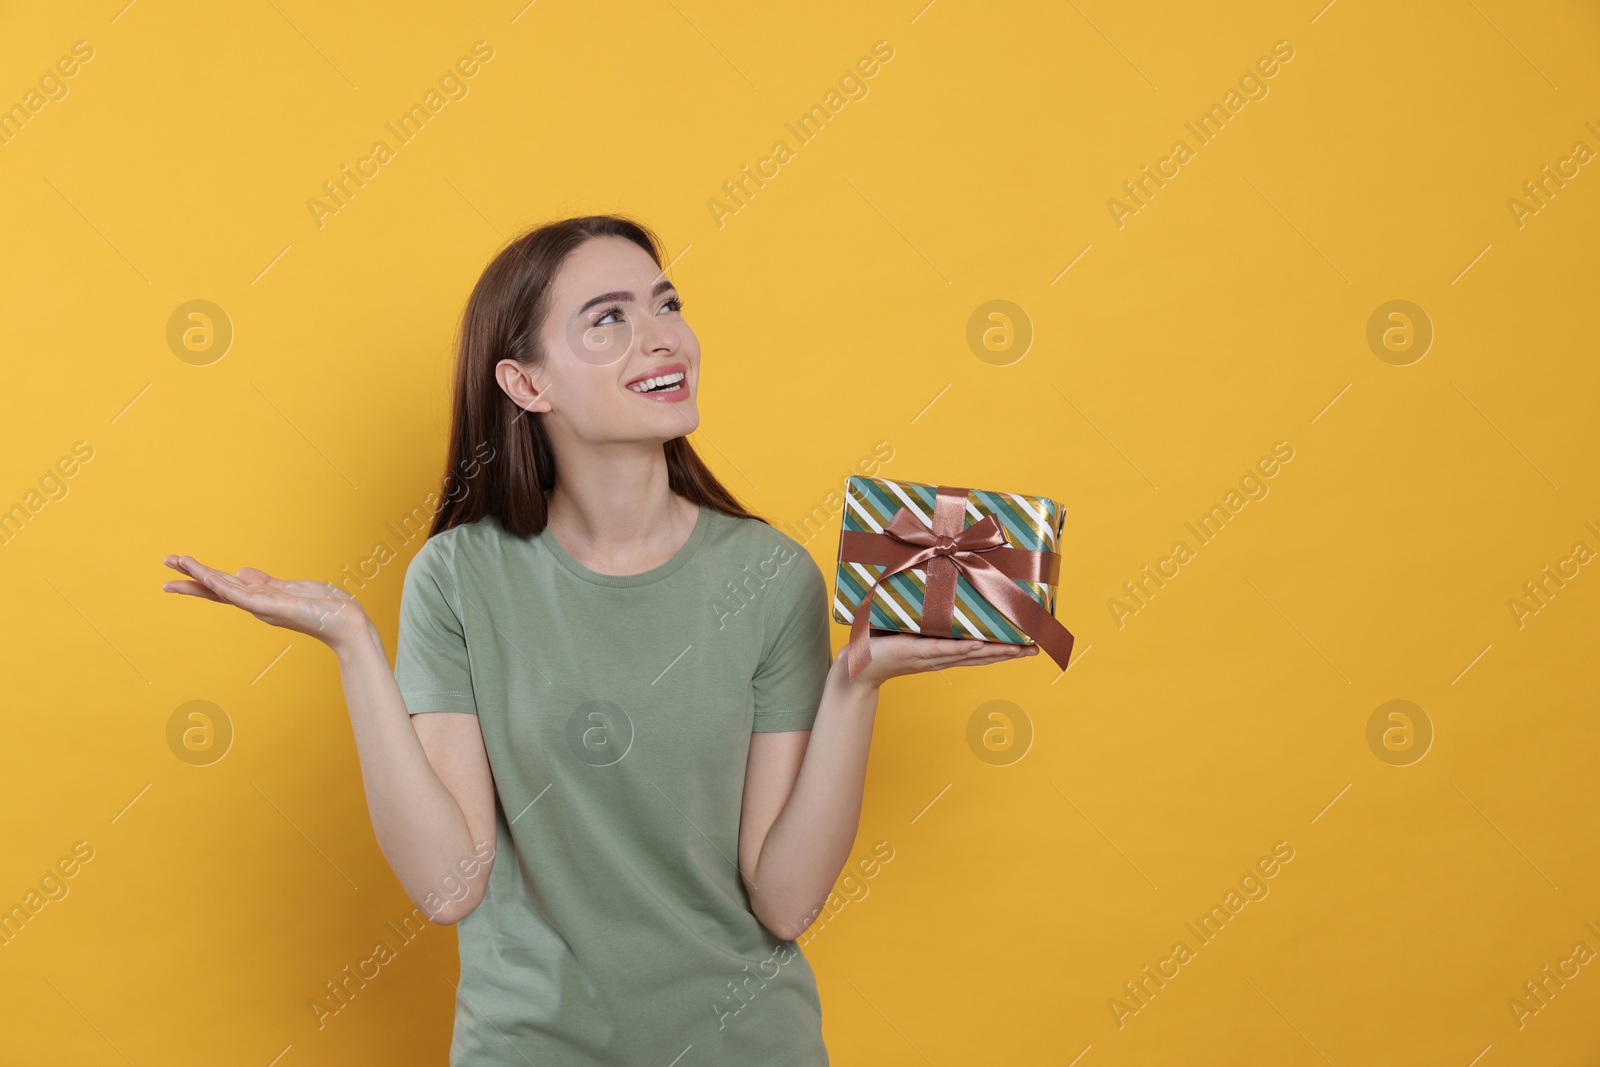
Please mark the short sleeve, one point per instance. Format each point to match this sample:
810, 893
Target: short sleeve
430, 662
795, 654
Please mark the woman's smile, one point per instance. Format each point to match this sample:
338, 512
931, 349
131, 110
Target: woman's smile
668, 383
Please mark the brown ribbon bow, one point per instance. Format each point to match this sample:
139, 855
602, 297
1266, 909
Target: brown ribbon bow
980, 552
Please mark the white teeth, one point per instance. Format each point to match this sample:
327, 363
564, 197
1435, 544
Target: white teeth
651, 383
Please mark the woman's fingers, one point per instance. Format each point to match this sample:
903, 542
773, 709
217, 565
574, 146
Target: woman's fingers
894, 655
225, 586
1000, 648
191, 566
945, 646
198, 571
212, 578
234, 589
1000, 654
955, 649
213, 584
191, 589
938, 653
257, 576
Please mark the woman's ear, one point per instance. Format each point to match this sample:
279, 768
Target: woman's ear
526, 385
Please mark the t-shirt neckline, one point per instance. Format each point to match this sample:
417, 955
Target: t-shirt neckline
702, 524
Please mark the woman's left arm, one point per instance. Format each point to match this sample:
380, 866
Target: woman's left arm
803, 788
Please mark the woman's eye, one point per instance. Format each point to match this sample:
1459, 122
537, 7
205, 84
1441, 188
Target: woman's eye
605, 319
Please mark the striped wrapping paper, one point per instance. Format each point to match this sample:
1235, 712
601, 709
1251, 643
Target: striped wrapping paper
1030, 522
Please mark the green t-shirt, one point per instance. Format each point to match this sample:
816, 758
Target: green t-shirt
617, 713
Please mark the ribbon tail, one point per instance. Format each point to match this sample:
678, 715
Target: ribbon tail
858, 652
1027, 613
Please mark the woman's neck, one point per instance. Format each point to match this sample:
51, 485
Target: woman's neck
615, 513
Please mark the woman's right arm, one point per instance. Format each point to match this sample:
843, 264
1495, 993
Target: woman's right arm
429, 789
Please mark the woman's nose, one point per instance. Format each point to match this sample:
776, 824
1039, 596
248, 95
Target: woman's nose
656, 337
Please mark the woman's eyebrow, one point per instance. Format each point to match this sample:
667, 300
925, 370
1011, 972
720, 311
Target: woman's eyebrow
659, 288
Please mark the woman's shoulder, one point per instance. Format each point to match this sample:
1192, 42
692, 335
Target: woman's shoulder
751, 546
747, 532
444, 548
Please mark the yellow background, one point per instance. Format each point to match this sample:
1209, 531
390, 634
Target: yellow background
1228, 314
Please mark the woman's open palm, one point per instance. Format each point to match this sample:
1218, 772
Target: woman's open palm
894, 655
316, 609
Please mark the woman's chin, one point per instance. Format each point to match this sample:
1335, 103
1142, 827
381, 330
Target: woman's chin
681, 421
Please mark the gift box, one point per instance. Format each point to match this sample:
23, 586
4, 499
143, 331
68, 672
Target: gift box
946, 561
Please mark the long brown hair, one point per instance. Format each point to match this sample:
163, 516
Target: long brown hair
502, 320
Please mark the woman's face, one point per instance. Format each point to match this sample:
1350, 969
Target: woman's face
616, 323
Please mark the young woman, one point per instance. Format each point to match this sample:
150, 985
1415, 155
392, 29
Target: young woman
615, 746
